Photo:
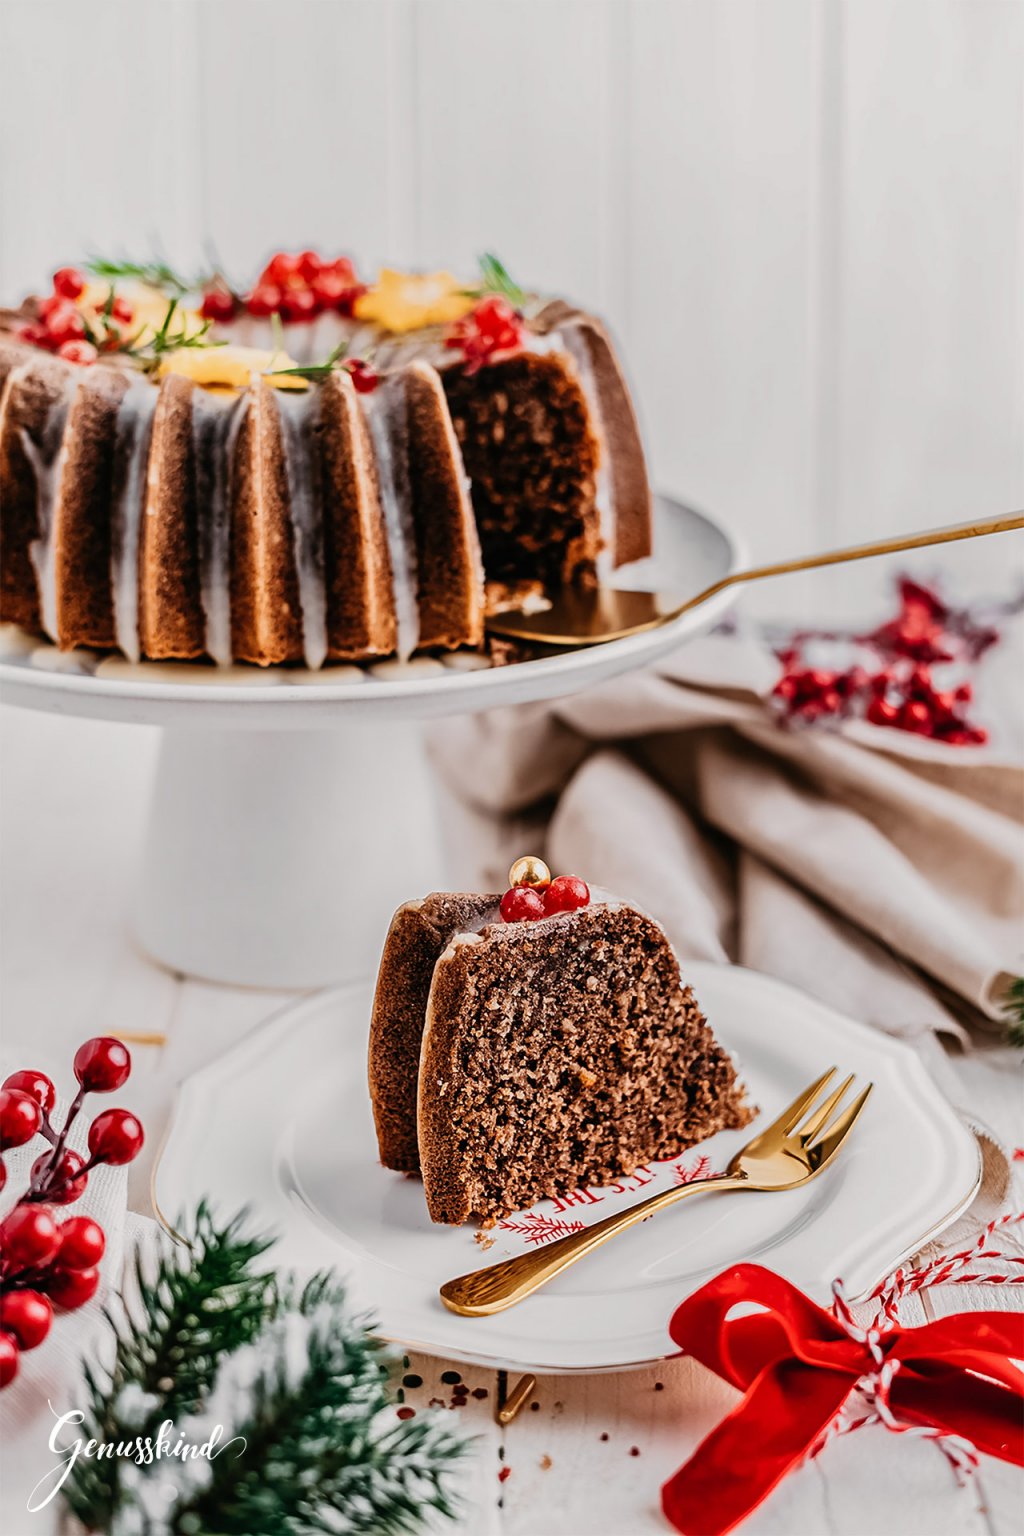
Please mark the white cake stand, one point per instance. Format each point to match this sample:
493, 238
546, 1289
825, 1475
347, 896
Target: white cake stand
292, 811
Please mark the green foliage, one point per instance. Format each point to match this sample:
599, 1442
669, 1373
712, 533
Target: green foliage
495, 278
156, 274
206, 1336
1013, 1010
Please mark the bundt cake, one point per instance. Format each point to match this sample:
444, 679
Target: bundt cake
528, 1045
315, 470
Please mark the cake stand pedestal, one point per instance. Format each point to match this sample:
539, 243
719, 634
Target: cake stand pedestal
289, 819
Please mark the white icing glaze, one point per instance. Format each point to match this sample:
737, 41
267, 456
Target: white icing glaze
299, 414
47, 458
216, 422
386, 411
133, 431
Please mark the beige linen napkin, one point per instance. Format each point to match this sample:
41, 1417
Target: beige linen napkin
878, 871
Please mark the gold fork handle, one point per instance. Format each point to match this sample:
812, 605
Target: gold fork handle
502, 1285
1006, 523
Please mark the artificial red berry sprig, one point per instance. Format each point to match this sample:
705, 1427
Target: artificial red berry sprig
46, 1263
899, 691
532, 893
491, 327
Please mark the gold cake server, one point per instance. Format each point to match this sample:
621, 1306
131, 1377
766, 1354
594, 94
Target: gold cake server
796, 1147
577, 618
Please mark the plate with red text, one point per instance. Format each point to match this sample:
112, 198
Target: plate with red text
282, 1124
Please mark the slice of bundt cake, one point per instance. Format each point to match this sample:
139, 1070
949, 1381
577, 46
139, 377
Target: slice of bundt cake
523, 1047
174, 486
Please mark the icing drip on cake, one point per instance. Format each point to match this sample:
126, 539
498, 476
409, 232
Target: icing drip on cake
216, 422
299, 417
388, 417
47, 458
131, 454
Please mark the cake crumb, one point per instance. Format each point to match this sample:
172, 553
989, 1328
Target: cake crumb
484, 1239
634, 1450
545, 1463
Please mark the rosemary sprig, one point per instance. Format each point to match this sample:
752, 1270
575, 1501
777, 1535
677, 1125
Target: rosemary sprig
495, 278
311, 371
147, 353
156, 274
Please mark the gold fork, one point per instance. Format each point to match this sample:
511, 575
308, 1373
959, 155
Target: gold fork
793, 1149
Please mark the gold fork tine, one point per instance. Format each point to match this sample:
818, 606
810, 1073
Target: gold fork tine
791, 1116
823, 1113
830, 1141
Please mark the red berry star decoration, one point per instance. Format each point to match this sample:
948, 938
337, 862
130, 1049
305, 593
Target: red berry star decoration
899, 689
47, 1263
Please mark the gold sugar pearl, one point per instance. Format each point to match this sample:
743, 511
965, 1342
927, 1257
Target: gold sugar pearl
529, 870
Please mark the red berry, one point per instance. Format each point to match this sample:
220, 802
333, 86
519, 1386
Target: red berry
964, 694
102, 1064
916, 716
299, 304
115, 1137
218, 304
121, 310
9, 1353
20, 1117
71, 1288
881, 712
330, 290
308, 265
36, 1084
522, 904
64, 323
81, 352
65, 1184
3, 1174
265, 299
68, 282
27, 1316
364, 379
34, 335
566, 894
281, 269
28, 1237
81, 1243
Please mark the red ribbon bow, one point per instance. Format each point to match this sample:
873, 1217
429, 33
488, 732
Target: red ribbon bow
797, 1365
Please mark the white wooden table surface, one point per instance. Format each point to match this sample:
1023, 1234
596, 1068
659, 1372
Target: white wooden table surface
587, 1455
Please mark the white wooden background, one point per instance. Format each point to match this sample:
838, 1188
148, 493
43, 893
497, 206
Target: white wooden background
804, 218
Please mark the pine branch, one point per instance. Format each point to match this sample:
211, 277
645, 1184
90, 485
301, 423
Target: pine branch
171, 1331
1013, 1012
204, 1338
312, 371
322, 1453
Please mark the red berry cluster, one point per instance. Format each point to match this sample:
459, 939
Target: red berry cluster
527, 903
294, 287
45, 1263
901, 692
61, 328
492, 326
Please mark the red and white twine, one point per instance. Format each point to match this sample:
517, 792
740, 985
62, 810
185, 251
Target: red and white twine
870, 1402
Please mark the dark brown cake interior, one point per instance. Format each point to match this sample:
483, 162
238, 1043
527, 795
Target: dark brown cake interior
419, 932
562, 1053
532, 459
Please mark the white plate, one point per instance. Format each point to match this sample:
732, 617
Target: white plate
282, 1123
692, 552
